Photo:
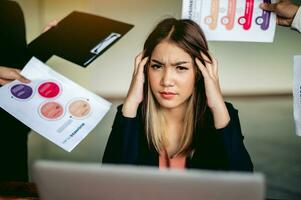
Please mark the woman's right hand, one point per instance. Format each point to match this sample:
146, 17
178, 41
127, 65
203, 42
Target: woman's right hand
135, 92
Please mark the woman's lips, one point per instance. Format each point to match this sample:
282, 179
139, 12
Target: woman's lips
167, 95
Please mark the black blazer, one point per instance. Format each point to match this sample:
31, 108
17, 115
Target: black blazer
13, 53
214, 149
13, 48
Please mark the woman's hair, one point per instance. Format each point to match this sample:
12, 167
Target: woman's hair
188, 36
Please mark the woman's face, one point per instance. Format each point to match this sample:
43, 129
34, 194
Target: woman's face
171, 75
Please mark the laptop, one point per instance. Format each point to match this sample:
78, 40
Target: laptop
78, 181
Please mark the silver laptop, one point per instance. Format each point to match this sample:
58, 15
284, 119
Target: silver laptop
77, 181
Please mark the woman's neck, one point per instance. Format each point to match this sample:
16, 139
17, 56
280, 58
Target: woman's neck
174, 126
175, 115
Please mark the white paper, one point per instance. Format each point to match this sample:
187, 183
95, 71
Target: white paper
297, 93
53, 106
231, 20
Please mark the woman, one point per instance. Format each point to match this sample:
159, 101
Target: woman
174, 114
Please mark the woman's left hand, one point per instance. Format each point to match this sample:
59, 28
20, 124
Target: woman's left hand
214, 95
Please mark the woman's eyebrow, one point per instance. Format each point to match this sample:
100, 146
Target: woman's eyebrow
179, 63
174, 64
158, 62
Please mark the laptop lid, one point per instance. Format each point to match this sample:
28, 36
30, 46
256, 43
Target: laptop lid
60, 181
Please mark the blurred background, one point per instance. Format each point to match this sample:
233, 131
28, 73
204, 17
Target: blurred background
255, 77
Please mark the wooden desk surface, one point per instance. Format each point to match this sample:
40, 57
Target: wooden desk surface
18, 191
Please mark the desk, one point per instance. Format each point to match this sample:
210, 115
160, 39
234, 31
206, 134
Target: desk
18, 191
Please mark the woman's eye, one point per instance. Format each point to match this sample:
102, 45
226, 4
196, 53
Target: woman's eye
155, 66
181, 68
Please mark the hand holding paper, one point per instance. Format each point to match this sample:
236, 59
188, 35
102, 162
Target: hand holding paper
232, 20
52, 105
284, 9
8, 74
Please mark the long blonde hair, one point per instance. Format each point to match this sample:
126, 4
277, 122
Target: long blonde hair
187, 35
155, 125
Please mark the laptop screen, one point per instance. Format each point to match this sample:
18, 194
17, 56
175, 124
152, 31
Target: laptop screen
78, 181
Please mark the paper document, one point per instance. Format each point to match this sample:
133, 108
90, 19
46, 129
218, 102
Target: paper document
297, 93
53, 106
232, 20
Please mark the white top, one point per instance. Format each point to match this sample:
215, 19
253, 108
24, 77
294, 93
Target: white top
296, 24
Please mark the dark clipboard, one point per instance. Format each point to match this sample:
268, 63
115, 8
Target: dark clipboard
79, 37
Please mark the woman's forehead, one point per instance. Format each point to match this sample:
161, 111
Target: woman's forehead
169, 52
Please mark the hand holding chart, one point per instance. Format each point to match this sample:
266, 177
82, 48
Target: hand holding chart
52, 105
232, 20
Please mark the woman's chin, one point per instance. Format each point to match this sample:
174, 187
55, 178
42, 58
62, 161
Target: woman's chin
168, 104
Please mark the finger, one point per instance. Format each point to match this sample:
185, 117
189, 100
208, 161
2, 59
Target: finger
4, 81
53, 23
203, 69
50, 25
16, 70
206, 59
17, 76
214, 64
137, 61
283, 21
208, 64
268, 6
141, 65
46, 29
23, 79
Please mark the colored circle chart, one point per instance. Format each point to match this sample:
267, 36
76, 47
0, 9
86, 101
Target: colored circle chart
21, 91
49, 89
79, 108
51, 110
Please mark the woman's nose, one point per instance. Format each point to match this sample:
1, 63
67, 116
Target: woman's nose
167, 78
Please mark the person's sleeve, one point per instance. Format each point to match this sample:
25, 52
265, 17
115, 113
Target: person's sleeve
15, 27
296, 24
122, 145
232, 138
